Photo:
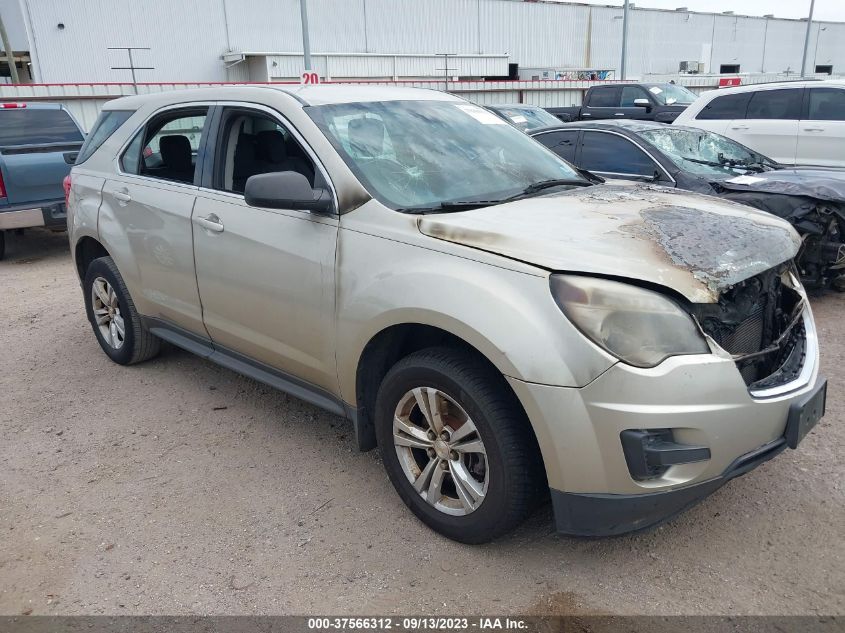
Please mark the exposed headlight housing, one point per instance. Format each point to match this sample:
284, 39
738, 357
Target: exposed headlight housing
640, 327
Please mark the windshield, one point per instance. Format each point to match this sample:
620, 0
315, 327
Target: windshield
705, 153
419, 154
671, 94
527, 117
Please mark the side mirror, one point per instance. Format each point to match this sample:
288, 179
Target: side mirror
642, 103
286, 190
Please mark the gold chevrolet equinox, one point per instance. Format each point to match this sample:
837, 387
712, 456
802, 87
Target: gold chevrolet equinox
500, 324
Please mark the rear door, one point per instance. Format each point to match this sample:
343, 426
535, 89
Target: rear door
770, 125
38, 144
720, 112
145, 215
821, 131
266, 276
602, 103
564, 143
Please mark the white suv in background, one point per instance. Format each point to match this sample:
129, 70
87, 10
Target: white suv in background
795, 123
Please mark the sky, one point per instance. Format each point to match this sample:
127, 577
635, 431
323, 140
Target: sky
825, 9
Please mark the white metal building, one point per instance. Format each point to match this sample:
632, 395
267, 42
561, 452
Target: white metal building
260, 40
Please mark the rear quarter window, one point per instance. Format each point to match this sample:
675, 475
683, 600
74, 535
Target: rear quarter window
37, 126
725, 107
105, 125
603, 97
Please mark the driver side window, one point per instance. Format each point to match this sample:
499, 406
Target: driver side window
252, 143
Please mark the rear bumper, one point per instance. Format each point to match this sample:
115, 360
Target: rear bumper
51, 213
583, 514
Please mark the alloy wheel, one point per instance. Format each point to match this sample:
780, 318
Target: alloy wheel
107, 314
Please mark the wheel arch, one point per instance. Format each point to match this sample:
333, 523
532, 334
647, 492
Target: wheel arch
86, 250
392, 343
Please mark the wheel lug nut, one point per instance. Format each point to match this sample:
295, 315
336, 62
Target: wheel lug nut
431, 453
432, 435
444, 436
453, 455
444, 464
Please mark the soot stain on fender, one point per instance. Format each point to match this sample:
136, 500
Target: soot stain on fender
717, 250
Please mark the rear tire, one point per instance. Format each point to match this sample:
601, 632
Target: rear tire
2, 244
112, 314
481, 483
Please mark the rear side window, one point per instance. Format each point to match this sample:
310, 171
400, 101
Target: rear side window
31, 126
727, 107
104, 127
561, 143
609, 153
827, 104
604, 98
775, 104
167, 147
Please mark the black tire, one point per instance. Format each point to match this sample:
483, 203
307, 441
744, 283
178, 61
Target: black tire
138, 344
2, 244
514, 465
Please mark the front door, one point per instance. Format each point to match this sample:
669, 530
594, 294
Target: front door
266, 277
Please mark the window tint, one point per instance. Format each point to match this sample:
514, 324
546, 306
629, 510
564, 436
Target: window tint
775, 104
561, 143
104, 127
827, 104
24, 126
727, 107
604, 97
254, 143
629, 93
605, 152
167, 147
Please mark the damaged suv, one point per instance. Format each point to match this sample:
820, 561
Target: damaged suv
496, 324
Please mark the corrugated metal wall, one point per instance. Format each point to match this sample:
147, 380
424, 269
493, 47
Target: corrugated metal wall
188, 38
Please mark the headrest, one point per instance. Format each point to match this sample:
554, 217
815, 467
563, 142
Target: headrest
270, 146
176, 152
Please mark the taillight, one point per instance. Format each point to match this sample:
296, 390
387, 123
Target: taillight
2, 186
66, 187
13, 105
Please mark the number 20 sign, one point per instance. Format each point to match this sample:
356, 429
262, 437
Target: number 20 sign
309, 78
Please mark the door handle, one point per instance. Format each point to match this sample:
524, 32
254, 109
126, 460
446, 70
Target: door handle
739, 127
618, 114
211, 222
122, 196
814, 129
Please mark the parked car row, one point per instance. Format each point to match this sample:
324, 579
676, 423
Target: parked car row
501, 324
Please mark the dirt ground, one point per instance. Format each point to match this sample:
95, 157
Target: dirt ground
176, 486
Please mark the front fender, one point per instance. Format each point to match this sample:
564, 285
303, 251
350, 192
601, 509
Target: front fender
507, 315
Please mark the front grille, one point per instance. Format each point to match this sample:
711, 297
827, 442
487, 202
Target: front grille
758, 322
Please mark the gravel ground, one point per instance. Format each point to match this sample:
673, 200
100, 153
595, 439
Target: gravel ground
176, 486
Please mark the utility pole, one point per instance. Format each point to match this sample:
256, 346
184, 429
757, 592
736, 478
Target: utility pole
446, 68
807, 40
10, 55
131, 67
624, 39
306, 44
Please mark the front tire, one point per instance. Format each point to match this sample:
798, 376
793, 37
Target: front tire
457, 446
112, 314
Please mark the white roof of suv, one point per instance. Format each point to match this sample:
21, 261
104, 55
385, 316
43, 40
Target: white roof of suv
306, 95
838, 83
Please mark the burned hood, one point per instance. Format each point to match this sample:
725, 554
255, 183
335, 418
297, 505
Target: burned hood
818, 183
697, 245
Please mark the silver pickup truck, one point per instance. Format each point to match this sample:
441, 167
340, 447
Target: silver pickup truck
38, 144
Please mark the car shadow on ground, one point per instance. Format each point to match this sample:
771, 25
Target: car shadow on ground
33, 245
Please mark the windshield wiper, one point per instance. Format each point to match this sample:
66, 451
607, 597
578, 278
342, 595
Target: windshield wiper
711, 163
446, 207
548, 184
